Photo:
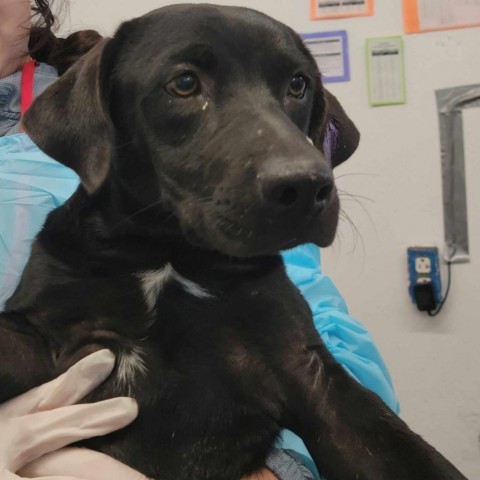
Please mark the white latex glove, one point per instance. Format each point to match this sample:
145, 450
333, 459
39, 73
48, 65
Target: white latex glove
45, 419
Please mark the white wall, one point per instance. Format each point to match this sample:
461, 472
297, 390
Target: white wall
435, 362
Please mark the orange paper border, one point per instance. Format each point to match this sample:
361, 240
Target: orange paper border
411, 20
314, 16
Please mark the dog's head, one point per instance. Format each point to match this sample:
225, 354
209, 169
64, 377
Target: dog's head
215, 114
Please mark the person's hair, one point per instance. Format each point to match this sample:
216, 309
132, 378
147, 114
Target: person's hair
45, 46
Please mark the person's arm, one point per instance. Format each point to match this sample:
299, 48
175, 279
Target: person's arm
14, 34
37, 426
348, 341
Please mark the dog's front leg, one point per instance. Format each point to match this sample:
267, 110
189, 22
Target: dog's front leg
25, 361
349, 431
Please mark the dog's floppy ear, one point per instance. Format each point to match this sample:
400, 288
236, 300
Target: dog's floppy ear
70, 120
331, 129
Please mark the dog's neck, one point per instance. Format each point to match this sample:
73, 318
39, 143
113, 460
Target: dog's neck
84, 240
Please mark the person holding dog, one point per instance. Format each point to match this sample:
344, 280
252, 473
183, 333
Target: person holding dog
30, 59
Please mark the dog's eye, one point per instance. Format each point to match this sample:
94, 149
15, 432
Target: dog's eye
297, 86
184, 85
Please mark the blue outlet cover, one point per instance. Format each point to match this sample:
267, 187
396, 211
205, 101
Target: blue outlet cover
426, 256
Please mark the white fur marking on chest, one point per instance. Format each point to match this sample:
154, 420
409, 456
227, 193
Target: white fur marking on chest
154, 281
130, 365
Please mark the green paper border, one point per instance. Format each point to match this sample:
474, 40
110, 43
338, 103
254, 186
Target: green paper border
403, 101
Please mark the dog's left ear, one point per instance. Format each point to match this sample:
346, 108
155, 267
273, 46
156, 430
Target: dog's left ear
331, 130
70, 121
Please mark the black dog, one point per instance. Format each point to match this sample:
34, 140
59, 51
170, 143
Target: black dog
188, 131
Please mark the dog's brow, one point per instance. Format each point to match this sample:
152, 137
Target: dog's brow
199, 55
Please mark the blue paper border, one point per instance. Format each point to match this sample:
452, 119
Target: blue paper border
346, 60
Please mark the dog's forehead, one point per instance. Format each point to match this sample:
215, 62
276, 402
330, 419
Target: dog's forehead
207, 20
179, 32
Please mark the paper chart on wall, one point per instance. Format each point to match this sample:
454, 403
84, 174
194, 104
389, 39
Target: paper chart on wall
431, 15
330, 50
386, 74
325, 9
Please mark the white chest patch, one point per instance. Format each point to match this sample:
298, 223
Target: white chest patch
154, 281
130, 365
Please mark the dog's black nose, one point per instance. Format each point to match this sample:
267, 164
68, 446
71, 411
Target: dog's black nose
296, 190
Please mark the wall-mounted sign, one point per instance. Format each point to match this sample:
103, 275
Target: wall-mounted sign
325, 9
431, 15
385, 71
330, 50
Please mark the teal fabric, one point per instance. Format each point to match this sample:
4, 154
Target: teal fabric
32, 184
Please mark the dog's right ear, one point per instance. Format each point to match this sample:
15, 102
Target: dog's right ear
340, 135
331, 130
70, 121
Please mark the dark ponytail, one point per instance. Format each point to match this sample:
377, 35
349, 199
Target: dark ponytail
44, 46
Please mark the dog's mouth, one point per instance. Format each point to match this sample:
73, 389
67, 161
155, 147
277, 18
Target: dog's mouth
253, 231
259, 209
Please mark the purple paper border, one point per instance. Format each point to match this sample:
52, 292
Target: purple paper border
346, 59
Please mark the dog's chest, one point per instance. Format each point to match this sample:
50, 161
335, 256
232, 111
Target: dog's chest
201, 374
205, 329
201, 350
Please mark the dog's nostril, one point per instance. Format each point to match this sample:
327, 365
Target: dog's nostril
323, 193
288, 197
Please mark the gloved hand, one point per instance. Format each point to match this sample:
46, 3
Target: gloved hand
37, 425
90, 465
45, 419
78, 463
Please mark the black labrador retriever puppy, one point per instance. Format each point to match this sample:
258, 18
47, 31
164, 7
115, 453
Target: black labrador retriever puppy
189, 132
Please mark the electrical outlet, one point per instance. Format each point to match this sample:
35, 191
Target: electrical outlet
423, 268
423, 265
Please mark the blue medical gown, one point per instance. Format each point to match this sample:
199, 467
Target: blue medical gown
32, 184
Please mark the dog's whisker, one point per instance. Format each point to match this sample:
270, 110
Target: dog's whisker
356, 199
338, 239
355, 196
138, 212
344, 215
357, 235
356, 174
156, 203
121, 145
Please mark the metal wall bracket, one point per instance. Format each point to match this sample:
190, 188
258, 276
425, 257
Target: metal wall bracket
451, 102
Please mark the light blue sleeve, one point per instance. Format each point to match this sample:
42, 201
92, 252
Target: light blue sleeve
347, 339
31, 186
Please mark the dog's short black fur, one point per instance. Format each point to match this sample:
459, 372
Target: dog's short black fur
188, 130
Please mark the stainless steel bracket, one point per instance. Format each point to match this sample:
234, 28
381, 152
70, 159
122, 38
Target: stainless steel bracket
451, 102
